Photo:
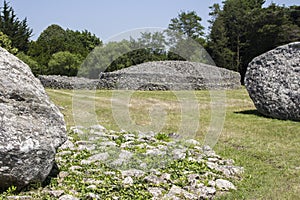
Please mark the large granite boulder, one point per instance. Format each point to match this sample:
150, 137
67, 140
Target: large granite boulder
31, 127
273, 82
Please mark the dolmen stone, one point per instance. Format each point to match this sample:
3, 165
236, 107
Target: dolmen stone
31, 126
273, 82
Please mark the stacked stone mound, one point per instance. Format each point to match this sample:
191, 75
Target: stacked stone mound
64, 82
162, 75
31, 127
273, 82
173, 75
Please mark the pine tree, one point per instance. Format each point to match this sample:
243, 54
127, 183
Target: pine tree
187, 24
17, 31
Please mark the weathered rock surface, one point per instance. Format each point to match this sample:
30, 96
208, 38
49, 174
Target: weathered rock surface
273, 82
31, 127
162, 75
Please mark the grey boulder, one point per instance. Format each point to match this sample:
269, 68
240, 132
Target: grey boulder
273, 82
31, 126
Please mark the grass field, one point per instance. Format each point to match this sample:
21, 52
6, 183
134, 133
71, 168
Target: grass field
268, 149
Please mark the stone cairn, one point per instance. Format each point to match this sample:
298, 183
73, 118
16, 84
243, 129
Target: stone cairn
161, 75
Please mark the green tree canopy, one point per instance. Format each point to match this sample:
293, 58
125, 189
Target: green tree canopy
50, 41
17, 30
55, 39
34, 66
102, 57
243, 29
5, 43
189, 25
64, 63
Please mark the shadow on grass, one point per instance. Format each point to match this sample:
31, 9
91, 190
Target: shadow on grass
258, 114
252, 112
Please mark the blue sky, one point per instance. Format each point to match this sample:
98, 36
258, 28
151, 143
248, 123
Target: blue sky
106, 18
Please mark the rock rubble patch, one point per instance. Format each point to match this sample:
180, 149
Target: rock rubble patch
138, 165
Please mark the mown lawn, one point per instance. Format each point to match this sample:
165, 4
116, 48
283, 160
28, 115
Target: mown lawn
267, 148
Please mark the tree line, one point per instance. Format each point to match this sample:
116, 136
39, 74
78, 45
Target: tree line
239, 31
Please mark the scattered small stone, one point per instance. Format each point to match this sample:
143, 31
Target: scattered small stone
77, 131
67, 145
155, 172
156, 191
212, 183
225, 185
166, 176
74, 168
192, 142
56, 193
212, 165
128, 181
110, 173
72, 128
108, 143
129, 137
214, 160
92, 196
193, 177
91, 187
176, 192
89, 147
67, 197
179, 154
174, 135
64, 153
155, 152
127, 144
100, 134
63, 174
83, 142
19, 198
210, 190
153, 179
143, 165
86, 162
99, 157
98, 128
112, 136
204, 192
133, 173
92, 181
